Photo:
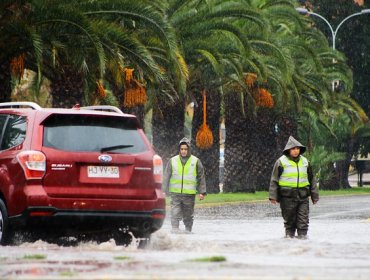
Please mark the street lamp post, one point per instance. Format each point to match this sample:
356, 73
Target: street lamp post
334, 33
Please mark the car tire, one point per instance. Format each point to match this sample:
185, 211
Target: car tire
122, 238
5, 233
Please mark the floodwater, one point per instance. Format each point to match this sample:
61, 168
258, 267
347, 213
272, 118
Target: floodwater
250, 237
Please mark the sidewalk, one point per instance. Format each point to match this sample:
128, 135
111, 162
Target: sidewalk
353, 179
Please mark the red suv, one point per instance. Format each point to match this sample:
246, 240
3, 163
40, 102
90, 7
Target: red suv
77, 170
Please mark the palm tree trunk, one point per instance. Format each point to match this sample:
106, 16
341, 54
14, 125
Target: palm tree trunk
118, 92
5, 82
236, 143
340, 171
252, 146
168, 127
67, 88
286, 126
268, 135
138, 111
342, 167
211, 157
261, 148
353, 146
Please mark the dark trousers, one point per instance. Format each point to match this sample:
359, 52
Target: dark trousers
182, 208
295, 212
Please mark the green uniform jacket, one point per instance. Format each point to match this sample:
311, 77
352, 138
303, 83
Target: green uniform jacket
276, 191
201, 179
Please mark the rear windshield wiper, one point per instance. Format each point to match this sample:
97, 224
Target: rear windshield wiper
110, 148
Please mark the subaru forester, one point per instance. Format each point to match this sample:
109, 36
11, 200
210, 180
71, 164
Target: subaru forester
77, 170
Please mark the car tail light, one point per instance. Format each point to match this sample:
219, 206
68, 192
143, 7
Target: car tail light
33, 164
157, 169
158, 216
41, 213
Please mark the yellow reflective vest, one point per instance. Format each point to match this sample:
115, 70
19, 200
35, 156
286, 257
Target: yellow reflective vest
184, 177
295, 174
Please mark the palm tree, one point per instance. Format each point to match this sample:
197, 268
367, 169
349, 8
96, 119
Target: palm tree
20, 44
252, 135
295, 78
114, 41
236, 154
74, 54
210, 157
78, 39
315, 99
352, 40
338, 133
168, 124
149, 48
42, 36
211, 44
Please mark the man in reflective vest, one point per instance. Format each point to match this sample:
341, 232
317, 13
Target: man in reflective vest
183, 179
292, 183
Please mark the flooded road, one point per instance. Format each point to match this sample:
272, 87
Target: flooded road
248, 237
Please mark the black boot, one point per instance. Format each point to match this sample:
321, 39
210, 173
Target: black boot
302, 236
188, 230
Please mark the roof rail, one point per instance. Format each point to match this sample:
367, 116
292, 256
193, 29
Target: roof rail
108, 108
21, 104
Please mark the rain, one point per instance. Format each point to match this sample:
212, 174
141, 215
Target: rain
236, 78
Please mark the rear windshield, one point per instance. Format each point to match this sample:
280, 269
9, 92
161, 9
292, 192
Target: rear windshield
93, 134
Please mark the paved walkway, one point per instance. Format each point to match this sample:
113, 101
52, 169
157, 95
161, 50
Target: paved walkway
353, 179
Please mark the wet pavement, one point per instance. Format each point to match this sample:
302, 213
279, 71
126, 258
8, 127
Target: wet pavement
248, 236
354, 179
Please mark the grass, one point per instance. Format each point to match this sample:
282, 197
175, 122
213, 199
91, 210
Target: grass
34, 257
352, 191
209, 259
121, 258
232, 198
223, 198
68, 274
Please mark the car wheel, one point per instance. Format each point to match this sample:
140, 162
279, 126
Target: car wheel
121, 237
5, 234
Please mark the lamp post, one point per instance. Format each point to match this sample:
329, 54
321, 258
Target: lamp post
334, 33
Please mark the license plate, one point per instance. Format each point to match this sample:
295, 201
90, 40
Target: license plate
103, 171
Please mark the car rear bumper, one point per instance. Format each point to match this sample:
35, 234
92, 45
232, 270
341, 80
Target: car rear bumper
77, 220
